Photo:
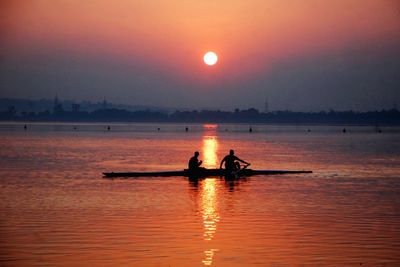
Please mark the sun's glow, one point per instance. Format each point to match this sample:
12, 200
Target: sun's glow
210, 58
210, 146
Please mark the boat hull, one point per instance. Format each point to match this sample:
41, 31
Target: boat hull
202, 173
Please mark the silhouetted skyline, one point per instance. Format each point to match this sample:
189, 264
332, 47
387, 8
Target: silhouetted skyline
109, 113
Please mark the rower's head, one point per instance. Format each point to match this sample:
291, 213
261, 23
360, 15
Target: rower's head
231, 152
196, 154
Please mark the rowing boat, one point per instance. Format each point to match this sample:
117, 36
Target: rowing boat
200, 173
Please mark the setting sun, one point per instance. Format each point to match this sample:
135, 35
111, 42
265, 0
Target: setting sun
210, 58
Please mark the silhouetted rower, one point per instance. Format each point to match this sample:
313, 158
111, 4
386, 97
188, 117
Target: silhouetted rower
250, 130
194, 162
344, 130
108, 128
186, 129
25, 127
232, 162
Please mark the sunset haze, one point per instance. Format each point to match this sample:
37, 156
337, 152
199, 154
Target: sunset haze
299, 55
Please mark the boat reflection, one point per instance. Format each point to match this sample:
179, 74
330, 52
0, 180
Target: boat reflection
231, 185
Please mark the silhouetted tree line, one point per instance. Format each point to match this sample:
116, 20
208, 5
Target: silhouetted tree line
251, 115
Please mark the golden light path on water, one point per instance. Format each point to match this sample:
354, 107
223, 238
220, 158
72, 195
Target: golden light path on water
209, 192
210, 145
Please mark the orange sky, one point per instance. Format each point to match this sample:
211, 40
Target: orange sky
180, 31
171, 36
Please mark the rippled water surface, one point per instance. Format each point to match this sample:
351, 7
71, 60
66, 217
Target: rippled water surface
58, 210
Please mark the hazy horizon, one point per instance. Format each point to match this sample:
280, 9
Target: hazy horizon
66, 103
300, 56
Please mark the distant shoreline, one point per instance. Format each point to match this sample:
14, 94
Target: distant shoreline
22, 122
248, 116
204, 122
29, 111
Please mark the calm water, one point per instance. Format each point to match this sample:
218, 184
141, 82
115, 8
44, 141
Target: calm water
57, 210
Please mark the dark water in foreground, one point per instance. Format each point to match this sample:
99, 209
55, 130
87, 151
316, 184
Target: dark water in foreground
57, 210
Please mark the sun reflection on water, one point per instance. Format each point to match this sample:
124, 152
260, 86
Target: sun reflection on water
210, 152
210, 146
208, 256
209, 208
209, 192
210, 215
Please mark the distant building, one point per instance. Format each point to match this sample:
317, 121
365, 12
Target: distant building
12, 111
57, 108
75, 107
104, 104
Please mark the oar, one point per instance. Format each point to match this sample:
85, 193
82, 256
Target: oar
237, 172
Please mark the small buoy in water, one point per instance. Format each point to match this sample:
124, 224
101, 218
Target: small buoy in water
377, 129
158, 129
74, 127
108, 128
308, 130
